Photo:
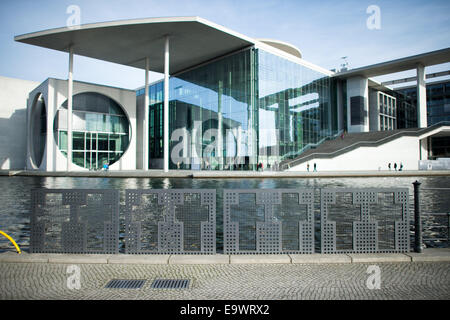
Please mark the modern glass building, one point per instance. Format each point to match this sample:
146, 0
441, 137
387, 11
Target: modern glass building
248, 108
227, 101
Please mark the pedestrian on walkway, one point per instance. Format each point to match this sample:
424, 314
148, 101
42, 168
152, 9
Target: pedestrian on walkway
395, 166
315, 167
307, 166
389, 166
401, 167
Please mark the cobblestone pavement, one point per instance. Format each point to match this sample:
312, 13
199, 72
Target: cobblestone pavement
235, 282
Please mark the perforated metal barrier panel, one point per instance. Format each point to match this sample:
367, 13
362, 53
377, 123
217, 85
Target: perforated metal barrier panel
183, 221
170, 221
74, 221
268, 221
364, 220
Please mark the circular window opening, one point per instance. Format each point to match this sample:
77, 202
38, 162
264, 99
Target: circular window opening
100, 130
38, 130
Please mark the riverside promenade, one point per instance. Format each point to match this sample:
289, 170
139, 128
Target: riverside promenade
229, 277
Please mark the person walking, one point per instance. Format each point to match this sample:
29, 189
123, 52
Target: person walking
315, 167
307, 166
395, 166
389, 166
401, 167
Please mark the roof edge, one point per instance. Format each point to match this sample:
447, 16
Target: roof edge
112, 23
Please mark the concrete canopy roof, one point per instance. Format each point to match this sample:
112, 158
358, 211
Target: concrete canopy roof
398, 65
193, 40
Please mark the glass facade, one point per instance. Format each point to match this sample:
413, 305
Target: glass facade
100, 130
294, 108
438, 101
211, 116
438, 110
245, 109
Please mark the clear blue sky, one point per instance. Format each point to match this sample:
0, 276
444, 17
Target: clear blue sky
325, 31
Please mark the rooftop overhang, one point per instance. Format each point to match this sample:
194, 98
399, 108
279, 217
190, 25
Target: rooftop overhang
398, 65
193, 41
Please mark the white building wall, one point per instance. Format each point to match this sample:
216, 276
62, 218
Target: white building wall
13, 120
403, 149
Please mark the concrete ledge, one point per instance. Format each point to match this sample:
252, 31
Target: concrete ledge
378, 257
78, 258
431, 255
139, 259
320, 258
13, 257
259, 258
200, 259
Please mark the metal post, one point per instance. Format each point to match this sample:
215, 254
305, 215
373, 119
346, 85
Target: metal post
166, 105
417, 220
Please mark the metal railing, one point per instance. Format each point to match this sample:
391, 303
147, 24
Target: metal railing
292, 155
180, 221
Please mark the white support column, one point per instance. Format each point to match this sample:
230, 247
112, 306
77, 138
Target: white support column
166, 105
69, 110
146, 118
421, 98
219, 154
238, 141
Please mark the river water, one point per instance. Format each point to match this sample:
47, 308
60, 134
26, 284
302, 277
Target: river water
15, 196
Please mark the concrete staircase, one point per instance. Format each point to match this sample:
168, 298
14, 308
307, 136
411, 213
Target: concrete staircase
351, 141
